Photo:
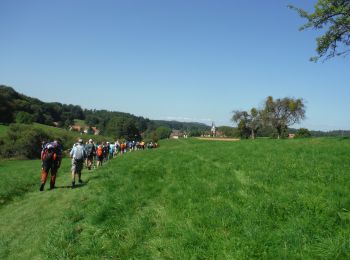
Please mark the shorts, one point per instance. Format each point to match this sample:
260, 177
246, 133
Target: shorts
77, 166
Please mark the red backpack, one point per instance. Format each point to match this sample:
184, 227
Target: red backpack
48, 154
99, 151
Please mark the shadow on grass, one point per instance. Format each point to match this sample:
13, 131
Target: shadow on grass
80, 185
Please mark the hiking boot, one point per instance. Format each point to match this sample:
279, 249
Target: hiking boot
73, 184
42, 187
80, 181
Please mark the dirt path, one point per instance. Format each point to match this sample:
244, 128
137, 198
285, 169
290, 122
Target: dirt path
218, 139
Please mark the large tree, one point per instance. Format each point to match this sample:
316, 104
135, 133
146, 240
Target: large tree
281, 113
248, 121
332, 17
163, 132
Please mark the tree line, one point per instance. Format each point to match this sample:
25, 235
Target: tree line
19, 108
16, 107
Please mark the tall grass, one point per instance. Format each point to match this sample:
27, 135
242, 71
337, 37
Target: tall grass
195, 199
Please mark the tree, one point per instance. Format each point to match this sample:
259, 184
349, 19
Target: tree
281, 113
163, 132
334, 15
244, 131
155, 137
24, 118
248, 122
6, 107
303, 133
228, 131
195, 133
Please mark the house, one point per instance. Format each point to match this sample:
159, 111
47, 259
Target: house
176, 134
291, 136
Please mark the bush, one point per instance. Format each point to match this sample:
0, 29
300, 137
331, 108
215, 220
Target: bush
23, 141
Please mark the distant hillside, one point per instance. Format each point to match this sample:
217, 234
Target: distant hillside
335, 133
182, 125
16, 107
19, 108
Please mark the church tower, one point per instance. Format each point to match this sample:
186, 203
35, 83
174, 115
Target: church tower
213, 129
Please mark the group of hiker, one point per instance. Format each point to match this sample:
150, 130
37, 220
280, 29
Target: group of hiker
91, 154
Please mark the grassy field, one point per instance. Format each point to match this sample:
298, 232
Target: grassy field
188, 199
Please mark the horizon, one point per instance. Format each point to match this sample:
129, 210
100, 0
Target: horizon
189, 61
180, 119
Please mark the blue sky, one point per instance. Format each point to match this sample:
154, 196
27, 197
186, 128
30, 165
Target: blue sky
188, 60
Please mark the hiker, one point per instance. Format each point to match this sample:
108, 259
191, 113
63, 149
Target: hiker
111, 150
90, 153
130, 146
51, 157
122, 147
99, 155
106, 151
116, 148
78, 154
142, 145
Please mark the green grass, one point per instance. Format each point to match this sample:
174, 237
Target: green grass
187, 199
21, 177
3, 130
60, 132
80, 122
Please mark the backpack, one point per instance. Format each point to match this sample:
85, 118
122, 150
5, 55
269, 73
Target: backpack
47, 155
99, 151
79, 153
90, 150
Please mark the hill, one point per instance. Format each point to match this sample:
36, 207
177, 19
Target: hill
188, 199
20, 108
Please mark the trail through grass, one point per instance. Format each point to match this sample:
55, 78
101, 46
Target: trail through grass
192, 199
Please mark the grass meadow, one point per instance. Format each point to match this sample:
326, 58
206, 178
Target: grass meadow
189, 199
